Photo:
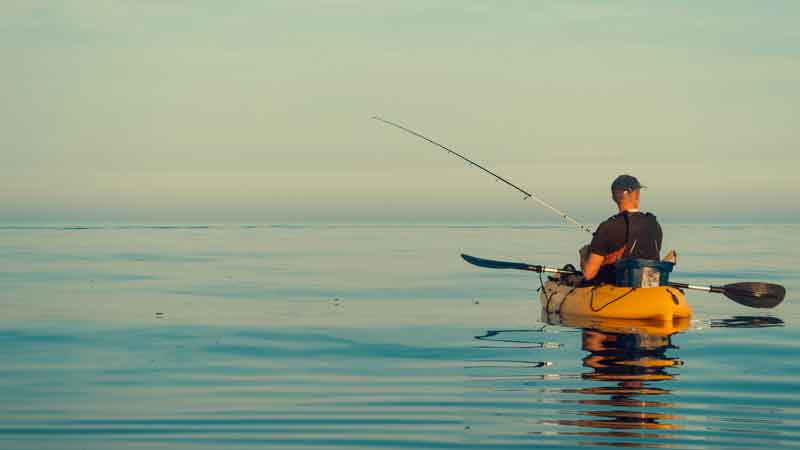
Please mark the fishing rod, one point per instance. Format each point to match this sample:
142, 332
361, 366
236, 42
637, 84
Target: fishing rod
496, 176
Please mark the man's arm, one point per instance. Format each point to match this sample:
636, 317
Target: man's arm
591, 266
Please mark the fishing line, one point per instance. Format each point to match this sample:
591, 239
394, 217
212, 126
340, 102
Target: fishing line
496, 176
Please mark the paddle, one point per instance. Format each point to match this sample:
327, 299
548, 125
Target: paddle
491, 264
752, 294
749, 293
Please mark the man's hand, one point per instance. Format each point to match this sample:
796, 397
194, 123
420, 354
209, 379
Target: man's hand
583, 253
591, 266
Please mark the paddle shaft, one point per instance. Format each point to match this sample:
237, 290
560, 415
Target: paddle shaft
717, 289
753, 294
540, 269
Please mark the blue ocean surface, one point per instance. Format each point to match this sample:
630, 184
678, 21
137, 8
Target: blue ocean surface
377, 336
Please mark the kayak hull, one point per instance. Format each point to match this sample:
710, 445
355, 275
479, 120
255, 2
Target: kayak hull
663, 303
613, 325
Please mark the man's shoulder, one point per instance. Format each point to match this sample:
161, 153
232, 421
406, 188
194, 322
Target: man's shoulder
613, 220
618, 220
650, 216
621, 216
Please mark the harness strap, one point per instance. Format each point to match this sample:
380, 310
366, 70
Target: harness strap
627, 232
620, 253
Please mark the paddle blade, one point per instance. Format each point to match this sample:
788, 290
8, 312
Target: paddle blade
491, 264
755, 295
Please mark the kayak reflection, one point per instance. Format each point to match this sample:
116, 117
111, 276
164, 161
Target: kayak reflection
632, 356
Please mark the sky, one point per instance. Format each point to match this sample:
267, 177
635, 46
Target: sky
259, 110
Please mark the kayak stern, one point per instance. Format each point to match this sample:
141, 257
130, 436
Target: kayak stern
663, 303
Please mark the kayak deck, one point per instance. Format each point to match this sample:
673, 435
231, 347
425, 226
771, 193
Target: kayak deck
663, 303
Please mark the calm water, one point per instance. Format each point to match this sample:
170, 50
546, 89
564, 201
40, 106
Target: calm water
238, 337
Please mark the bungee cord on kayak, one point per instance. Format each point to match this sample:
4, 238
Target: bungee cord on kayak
498, 177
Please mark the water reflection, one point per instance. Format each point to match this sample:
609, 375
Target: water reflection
623, 388
632, 357
747, 322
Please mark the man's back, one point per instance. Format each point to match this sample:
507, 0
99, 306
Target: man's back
640, 231
626, 235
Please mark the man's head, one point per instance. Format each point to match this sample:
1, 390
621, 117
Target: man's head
625, 191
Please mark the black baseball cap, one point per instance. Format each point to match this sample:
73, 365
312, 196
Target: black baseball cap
626, 183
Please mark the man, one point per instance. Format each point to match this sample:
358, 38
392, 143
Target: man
628, 234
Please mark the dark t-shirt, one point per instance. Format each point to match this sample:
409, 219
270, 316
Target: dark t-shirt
638, 237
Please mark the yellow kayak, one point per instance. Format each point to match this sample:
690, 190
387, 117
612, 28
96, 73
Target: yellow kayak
663, 303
